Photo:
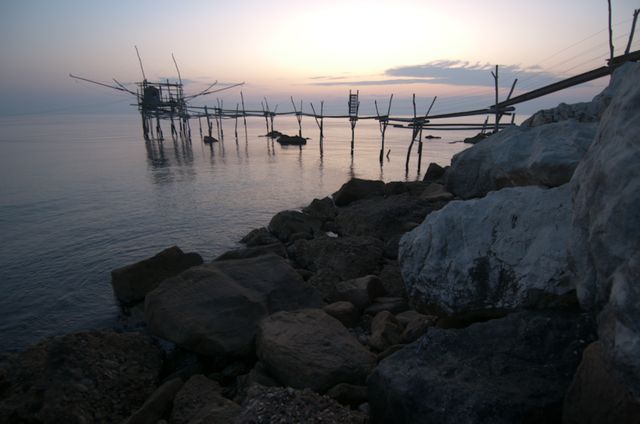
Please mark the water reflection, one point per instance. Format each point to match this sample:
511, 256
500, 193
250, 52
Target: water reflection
170, 160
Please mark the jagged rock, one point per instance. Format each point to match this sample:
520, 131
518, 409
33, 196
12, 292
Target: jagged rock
251, 252
200, 401
259, 237
414, 188
385, 331
322, 209
387, 303
357, 189
309, 349
597, 395
287, 223
157, 405
417, 327
95, 376
434, 173
215, 309
436, 193
131, 283
605, 237
505, 251
514, 369
348, 394
343, 311
345, 257
359, 291
518, 156
286, 405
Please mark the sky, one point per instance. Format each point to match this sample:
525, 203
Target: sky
311, 50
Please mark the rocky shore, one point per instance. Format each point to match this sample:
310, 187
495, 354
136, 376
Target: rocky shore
501, 289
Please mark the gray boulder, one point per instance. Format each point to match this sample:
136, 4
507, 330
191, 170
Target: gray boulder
359, 291
215, 309
322, 209
505, 251
285, 224
514, 369
519, 156
310, 349
357, 189
605, 237
131, 283
259, 237
95, 376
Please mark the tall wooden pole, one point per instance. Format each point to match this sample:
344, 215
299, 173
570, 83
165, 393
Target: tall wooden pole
244, 115
633, 29
610, 33
497, 111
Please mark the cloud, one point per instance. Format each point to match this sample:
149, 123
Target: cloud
395, 81
458, 72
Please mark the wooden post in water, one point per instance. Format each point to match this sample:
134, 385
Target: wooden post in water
354, 106
236, 127
200, 125
220, 107
413, 135
206, 113
319, 123
244, 116
266, 115
633, 29
298, 116
383, 122
497, 111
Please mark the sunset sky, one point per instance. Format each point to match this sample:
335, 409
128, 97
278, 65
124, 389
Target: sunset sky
308, 49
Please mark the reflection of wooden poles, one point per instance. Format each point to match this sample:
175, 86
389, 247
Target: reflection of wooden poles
236, 126
383, 121
298, 116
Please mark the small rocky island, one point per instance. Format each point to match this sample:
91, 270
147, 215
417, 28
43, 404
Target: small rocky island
501, 289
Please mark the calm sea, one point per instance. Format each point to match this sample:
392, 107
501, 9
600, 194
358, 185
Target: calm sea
82, 195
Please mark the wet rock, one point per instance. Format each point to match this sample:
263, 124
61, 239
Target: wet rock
357, 189
286, 405
200, 401
287, 223
251, 252
131, 283
387, 303
215, 309
546, 155
505, 251
514, 369
309, 349
157, 405
95, 376
291, 140
597, 395
343, 311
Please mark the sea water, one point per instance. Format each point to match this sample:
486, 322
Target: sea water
81, 195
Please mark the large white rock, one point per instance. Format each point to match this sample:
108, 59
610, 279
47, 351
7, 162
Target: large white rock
503, 251
605, 237
519, 156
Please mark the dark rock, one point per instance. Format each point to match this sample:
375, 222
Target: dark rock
359, 291
286, 405
343, 311
258, 376
392, 279
286, 223
324, 281
404, 318
348, 394
215, 309
273, 134
385, 331
291, 140
96, 376
131, 283
514, 369
597, 395
436, 193
157, 405
345, 257
389, 351
434, 173
417, 327
251, 252
200, 401
309, 349
394, 305
259, 237
476, 138
357, 189
322, 209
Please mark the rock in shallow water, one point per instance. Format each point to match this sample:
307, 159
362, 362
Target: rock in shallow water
513, 369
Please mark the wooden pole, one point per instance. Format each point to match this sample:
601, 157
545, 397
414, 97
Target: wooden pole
633, 29
266, 116
298, 116
206, 113
610, 33
244, 115
236, 127
220, 107
413, 135
497, 111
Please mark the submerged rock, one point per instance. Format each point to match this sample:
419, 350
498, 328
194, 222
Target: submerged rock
215, 309
95, 376
514, 369
309, 349
505, 251
131, 283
